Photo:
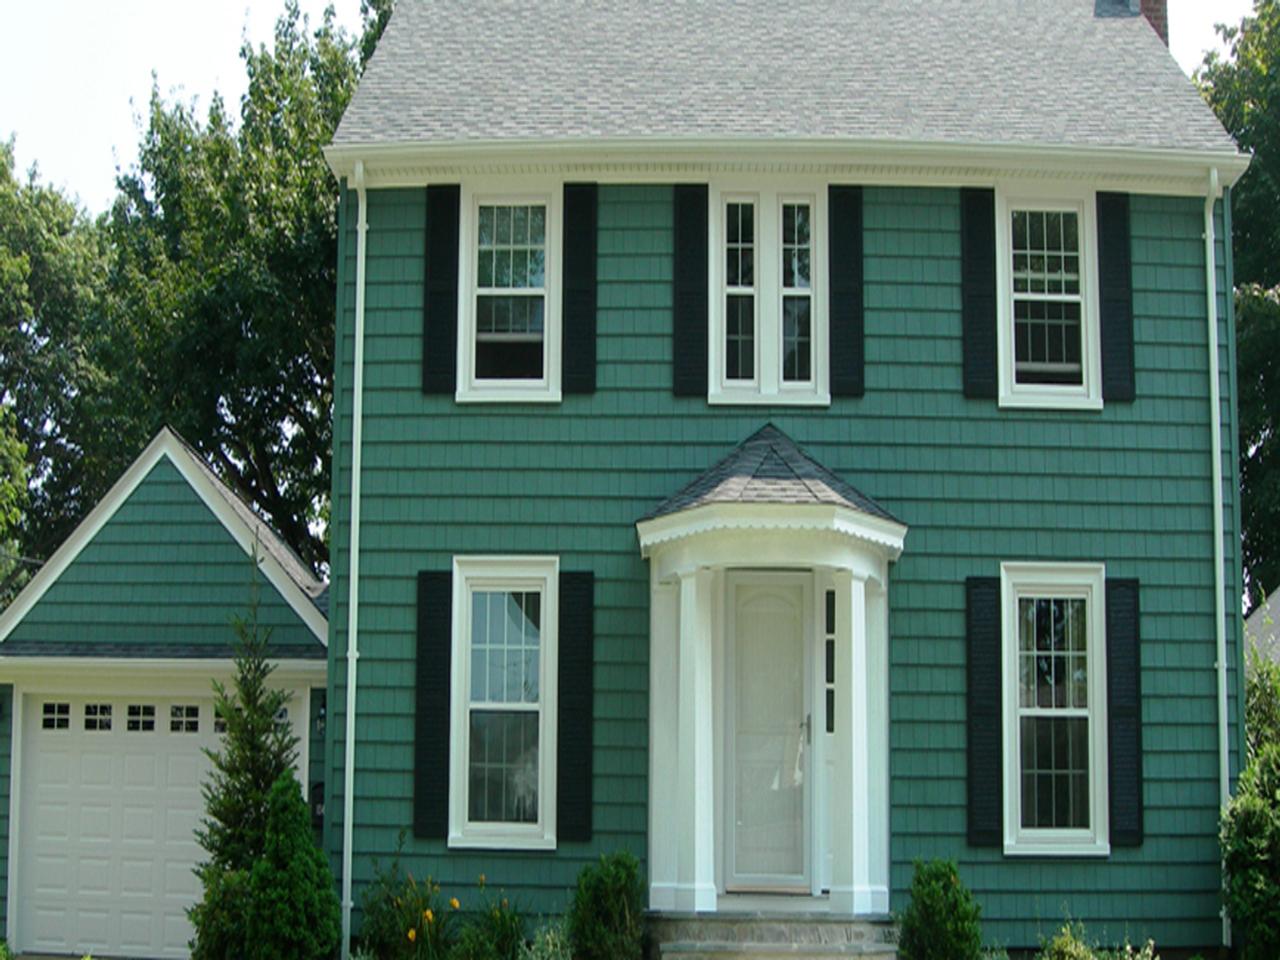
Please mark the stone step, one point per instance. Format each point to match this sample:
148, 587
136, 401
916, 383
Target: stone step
776, 951
755, 936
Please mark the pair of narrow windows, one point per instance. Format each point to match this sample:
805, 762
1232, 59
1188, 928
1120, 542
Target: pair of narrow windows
743, 304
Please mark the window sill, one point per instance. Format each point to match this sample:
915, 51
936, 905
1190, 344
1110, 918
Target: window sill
501, 841
485, 393
1047, 848
1049, 401
751, 398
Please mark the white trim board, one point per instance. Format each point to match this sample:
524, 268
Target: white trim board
167, 444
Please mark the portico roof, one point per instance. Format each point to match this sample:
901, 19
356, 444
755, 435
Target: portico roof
769, 485
769, 467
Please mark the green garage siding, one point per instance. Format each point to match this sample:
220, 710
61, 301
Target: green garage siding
977, 485
6, 780
162, 570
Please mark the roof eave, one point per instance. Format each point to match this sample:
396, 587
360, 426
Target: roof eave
406, 163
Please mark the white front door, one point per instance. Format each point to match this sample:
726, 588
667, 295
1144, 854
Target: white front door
769, 733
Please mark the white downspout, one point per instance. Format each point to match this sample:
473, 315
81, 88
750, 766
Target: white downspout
1219, 572
353, 569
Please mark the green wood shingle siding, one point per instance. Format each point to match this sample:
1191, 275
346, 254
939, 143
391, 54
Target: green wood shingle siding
6, 781
977, 485
163, 569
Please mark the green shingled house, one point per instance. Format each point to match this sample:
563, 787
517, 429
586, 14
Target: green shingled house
786, 440
106, 663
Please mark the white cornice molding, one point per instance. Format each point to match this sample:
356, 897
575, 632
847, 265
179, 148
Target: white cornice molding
709, 519
1180, 172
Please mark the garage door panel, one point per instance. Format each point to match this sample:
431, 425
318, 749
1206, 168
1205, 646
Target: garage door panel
107, 844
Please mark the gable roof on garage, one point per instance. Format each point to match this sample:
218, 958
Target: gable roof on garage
159, 569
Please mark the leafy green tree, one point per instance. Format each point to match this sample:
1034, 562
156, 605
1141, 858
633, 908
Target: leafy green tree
13, 502
52, 281
1258, 370
1244, 90
293, 909
257, 750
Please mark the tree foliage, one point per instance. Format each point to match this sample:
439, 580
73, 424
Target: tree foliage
1258, 371
257, 750
204, 299
1244, 90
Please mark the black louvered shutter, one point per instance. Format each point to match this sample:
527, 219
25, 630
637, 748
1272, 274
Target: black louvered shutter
978, 291
985, 773
440, 294
431, 729
844, 208
578, 336
689, 294
1115, 296
1124, 713
577, 693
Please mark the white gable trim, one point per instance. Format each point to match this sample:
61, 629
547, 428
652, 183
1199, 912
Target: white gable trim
165, 445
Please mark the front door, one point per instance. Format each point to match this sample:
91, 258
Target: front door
769, 732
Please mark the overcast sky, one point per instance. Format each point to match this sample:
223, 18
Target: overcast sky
75, 74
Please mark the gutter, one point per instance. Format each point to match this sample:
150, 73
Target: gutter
353, 567
1219, 560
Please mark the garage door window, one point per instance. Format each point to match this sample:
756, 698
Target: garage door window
142, 718
184, 718
56, 716
97, 716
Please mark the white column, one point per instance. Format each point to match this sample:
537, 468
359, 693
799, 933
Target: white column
695, 799
664, 628
850, 794
877, 685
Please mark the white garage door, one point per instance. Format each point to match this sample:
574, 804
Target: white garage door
110, 797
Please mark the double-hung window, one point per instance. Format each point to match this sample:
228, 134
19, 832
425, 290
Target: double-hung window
1055, 774
1049, 342
768, 305
504, 685
509, 344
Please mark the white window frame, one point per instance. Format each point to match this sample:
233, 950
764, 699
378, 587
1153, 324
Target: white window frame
768, 386
1083, 202
477, 193
503, 573
1086, 581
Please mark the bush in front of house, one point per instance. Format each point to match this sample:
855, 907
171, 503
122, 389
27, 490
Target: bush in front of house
293, 911
1069, 943
942, 919
496, 932
550, 942
606, 916
1251, 856
404, 918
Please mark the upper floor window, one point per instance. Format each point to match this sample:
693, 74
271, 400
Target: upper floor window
502, 787
1049, 342
1055, 709
509, 343
768, 317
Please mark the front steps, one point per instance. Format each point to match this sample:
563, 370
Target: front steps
761, 936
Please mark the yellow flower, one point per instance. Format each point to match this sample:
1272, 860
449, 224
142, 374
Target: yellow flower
453, 902
428, 916
412, 934
482, 881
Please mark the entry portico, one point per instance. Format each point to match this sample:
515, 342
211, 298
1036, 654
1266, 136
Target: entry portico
769, 736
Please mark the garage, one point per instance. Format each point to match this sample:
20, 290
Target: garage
107, 660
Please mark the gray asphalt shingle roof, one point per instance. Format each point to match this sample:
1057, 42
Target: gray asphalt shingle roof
1028, 72
768, 467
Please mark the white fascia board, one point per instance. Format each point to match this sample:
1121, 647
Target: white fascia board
78, 672
1180, 172
887, 534
165, 444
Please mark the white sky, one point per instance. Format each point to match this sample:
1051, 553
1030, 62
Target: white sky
75, 74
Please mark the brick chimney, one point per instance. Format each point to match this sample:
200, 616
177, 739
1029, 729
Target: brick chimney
1157, 11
